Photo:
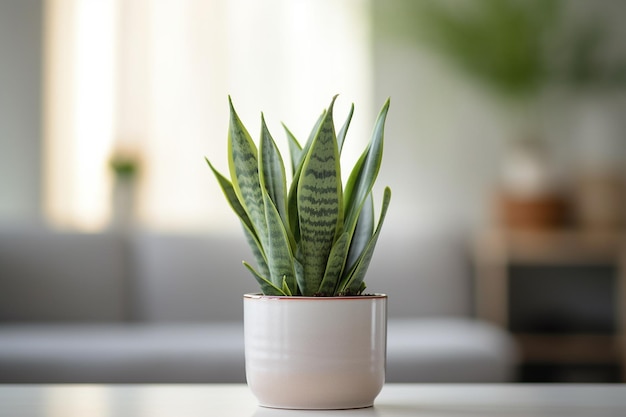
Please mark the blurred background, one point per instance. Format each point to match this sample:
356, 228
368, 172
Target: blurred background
506, 136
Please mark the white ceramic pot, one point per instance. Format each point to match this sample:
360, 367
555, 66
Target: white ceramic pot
315, 352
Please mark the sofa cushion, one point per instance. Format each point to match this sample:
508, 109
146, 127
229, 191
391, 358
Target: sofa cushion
52, 276
449, 350
428, 350
110, 353
424, 274
187, 278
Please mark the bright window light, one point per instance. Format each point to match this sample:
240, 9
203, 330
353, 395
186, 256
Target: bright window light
79, 106
154, 75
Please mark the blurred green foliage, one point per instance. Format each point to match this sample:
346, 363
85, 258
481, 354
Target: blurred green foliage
124, 166
516, 47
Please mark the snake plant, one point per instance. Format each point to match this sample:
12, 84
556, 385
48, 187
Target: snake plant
313, 237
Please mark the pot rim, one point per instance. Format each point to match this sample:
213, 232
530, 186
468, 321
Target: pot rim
260, 296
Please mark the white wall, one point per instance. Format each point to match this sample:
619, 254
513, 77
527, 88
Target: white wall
446, 136
20, 110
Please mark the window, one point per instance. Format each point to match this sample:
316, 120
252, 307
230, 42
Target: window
154, 76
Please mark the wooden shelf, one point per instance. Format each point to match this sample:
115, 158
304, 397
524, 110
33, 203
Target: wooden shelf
497, 251
569, 247
571, 348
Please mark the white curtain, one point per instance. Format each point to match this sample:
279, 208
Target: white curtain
154, 76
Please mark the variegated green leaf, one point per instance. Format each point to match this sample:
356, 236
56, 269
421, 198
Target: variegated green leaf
279, 255
362, 232
336, 262
292, 201
272, 171
257, 250
341, 136
299, 269
267, 287
295, 150
319, 199
365, 171
251, 237
285, 288
355, 280
244, 172
314, 132
231, 196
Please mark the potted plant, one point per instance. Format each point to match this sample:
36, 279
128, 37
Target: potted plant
125, 165
313, 339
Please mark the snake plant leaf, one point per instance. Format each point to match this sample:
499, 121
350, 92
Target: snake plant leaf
251, 237
299, 269
313, 132
336, 262
272, 171
341, 136
296, 155
362, 232
297, 163
267, 287
292, 202
279, 256
257, 251
244, 172
231, 197
295, 150
365, 171
285, 288
355, 281
319, 199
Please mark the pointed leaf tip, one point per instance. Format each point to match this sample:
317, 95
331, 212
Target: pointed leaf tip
332, 104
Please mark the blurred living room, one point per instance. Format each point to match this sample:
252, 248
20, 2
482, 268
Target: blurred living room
503, 254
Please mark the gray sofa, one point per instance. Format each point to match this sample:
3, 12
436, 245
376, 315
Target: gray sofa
153, 307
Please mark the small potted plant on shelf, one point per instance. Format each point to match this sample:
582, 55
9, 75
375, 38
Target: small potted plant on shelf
313, 339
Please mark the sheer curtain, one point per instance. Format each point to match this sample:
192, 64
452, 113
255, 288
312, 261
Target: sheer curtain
154, 76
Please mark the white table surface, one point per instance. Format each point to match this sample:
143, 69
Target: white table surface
441, 400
